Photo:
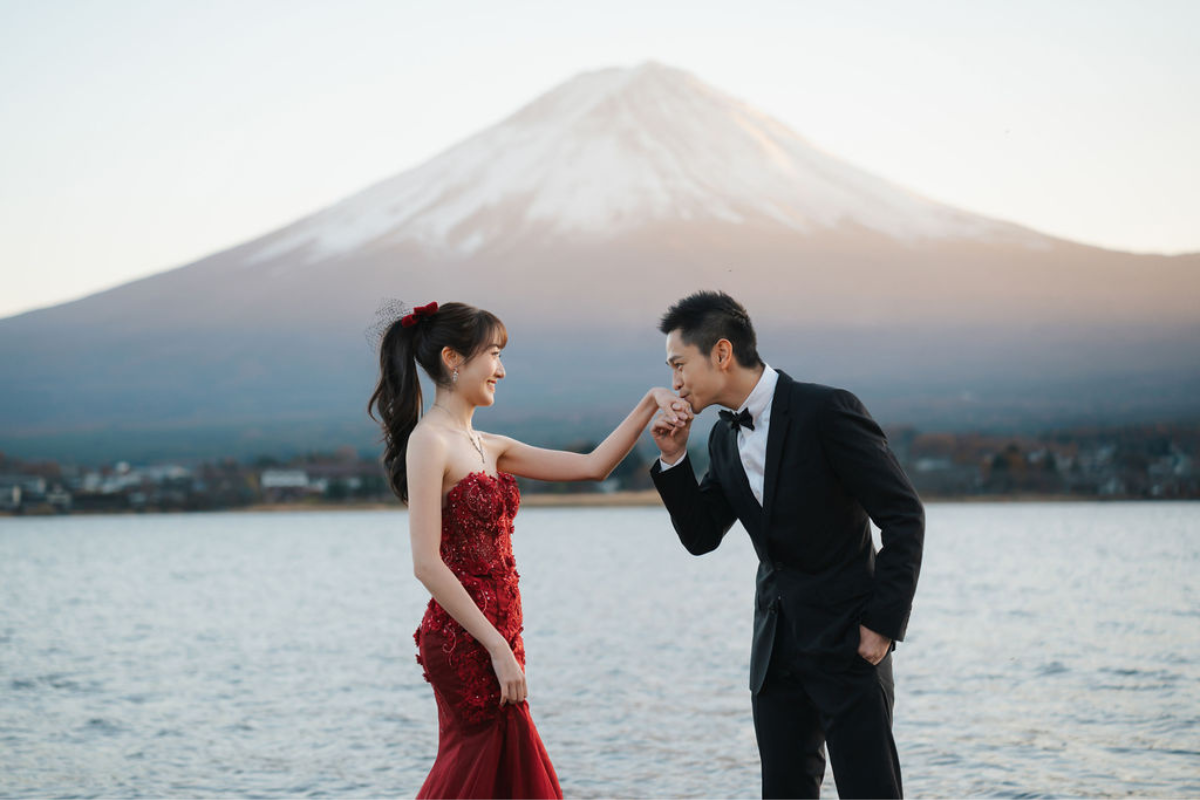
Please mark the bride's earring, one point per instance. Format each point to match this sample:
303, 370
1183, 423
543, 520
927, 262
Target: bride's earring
454, 377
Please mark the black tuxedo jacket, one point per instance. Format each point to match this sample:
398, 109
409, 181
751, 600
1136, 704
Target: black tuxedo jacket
828, 468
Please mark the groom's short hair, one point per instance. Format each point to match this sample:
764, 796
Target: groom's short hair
704, 318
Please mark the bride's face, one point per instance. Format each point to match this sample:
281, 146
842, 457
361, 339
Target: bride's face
477, 377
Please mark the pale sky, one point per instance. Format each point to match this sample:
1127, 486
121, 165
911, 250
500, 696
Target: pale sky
140, 136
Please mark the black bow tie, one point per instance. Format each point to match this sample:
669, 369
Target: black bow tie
742, 420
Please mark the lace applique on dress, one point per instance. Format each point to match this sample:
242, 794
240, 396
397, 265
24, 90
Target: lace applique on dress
477, 527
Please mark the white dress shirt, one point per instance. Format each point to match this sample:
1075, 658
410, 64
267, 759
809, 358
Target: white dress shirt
752, 445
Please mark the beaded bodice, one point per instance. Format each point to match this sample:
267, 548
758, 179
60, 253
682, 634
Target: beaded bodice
477, 527
477, 524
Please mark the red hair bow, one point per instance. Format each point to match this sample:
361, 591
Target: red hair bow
408, 320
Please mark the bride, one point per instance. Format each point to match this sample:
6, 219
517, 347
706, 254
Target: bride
462, 495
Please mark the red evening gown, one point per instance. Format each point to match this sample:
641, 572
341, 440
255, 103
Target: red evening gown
484, 749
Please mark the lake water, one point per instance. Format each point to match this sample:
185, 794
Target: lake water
1053, 650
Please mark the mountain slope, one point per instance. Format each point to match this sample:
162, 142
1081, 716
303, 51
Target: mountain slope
613, 150
579, 219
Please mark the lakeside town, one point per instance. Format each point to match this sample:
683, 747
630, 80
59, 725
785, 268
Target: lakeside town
1121, 463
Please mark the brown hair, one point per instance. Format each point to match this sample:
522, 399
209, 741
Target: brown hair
464, 329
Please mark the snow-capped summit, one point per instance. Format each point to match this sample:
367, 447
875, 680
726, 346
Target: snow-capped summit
578, 220
614, 149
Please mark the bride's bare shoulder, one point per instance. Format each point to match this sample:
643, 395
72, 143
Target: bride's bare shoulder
427, 439
496, 443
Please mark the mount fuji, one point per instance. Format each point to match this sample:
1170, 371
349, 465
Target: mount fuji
579, 219
610, 152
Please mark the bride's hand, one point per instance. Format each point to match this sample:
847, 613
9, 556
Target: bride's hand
676, 411
510, 675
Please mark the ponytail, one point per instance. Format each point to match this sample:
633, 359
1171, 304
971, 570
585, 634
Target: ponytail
397, 396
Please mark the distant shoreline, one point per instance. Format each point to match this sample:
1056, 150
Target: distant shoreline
639, 499
650, 498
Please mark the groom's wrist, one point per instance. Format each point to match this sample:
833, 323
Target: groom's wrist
665, 462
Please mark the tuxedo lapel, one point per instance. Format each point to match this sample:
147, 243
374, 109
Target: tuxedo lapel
776, 436
734, 471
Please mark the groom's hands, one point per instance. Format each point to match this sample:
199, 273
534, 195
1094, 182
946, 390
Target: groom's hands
670, 429
871, 645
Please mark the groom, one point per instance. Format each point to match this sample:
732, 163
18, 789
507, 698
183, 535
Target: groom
804, 467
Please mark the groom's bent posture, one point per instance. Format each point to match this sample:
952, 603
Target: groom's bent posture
805, 469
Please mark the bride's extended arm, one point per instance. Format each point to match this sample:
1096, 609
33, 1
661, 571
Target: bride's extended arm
541, 464
426, 459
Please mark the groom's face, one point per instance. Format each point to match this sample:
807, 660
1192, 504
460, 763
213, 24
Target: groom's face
693, 375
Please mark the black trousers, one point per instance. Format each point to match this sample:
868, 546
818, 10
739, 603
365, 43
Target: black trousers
845, 701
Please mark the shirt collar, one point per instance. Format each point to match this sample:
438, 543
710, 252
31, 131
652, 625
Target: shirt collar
759, 399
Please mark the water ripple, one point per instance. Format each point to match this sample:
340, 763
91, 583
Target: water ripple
271, 655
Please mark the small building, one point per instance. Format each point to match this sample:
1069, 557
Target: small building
282, 485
